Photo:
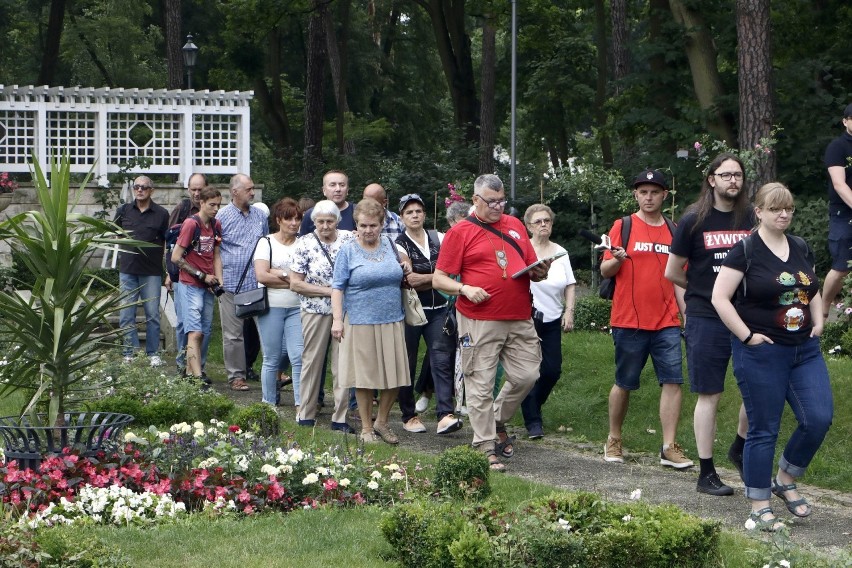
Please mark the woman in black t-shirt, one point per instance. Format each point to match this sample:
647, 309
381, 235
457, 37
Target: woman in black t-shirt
776, 326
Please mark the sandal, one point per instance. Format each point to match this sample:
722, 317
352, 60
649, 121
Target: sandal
369, 437
494, 463
284, 380
756, 521
505, 446
239, 385
779, 489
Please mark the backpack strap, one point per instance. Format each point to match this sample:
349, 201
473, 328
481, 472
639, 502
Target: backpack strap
626, 225
433, 237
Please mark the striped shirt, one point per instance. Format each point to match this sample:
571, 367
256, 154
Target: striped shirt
240, 232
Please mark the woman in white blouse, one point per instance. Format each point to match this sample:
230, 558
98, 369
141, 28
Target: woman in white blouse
280, 328
553, 301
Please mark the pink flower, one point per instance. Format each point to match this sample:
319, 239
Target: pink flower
697, 145
330, 485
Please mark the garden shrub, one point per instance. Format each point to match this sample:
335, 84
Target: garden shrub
591, 313
259, 417
832, 335
55, 548
846, 342
583, 276
462, 472
562, 530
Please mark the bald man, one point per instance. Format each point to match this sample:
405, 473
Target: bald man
393, 224
140, 271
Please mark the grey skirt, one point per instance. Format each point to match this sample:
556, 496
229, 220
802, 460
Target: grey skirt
373, 356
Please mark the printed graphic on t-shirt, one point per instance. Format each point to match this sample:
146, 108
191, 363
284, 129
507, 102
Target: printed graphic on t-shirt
792, 318
640, 246
721, 242
205, 244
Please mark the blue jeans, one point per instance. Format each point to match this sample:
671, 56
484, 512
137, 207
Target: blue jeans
550, 334
180, 334
768, 375
632, 348
280, 332
197, 310
147, 289
442, 352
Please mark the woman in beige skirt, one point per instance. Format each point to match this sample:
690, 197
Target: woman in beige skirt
368, 320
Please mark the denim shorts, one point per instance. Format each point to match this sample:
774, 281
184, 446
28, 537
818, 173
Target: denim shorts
197, 308
708, 350
840, 243
632, 348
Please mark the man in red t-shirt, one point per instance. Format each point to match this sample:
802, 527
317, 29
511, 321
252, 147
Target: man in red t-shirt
644, 317
200, 270
494, 312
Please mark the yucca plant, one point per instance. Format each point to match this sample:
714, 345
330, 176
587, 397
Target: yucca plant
52, 337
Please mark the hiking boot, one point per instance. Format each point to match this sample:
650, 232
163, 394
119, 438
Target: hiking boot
712, 485
414, 425
612, 450
736, 458
673, 456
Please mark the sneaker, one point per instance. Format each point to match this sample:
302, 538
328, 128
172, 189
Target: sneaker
612, 450
422, 403
674, 457
535, 432
712, 485
252, 376
307, 422
155, 361
414, 425
736, 458
449, 423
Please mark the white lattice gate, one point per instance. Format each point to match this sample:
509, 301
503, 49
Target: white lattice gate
179, 131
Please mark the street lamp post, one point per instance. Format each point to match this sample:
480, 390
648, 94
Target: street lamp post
190, 56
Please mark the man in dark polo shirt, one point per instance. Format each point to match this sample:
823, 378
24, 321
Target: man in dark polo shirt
141, 270
838, 160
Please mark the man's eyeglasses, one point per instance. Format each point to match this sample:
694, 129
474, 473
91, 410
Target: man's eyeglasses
778, 210
137, 187
726, 176
542, 222
493, 203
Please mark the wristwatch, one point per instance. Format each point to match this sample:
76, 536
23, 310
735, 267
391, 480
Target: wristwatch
200, 275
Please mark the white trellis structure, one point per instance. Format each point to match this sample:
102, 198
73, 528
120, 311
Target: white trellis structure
180, 131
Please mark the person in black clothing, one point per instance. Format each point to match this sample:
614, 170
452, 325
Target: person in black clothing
422, 248
838, 160
141, 271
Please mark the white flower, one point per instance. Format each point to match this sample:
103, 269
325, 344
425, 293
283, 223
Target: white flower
208, 463
396, 476
750, 524
310, 478
372, 485
376, 475
784, 563
563, 524
198, 425
636, 494
627, 518
269, 469
392, 467
322, 470
344, 482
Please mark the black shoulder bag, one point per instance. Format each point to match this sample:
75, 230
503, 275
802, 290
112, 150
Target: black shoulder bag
252, 302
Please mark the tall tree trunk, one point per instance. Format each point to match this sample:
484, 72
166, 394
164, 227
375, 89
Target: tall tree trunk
618, 19
705, 74
453, 42
662, 99
489, 72
174, 55
337, 64
386, 42
53, 37
271, 99
600, 90
314, 85
755, 82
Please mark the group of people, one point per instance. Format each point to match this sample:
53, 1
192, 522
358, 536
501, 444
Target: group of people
748, 292
498, 294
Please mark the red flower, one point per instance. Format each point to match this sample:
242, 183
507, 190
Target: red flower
233, 428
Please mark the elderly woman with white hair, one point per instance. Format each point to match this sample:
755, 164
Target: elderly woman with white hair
311, 274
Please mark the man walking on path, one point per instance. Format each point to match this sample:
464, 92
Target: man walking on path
141, 270
706, 233
838, 160
242, 226
644, 317
494, 312
393, 224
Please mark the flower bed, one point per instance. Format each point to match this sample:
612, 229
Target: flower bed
212, 467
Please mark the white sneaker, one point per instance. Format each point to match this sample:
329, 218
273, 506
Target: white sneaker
414, 426
422, 403
155, 361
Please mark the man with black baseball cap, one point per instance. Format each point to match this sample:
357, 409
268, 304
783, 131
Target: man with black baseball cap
838, 160
644, 318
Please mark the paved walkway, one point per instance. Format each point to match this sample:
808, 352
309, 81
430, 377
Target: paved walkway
563, 464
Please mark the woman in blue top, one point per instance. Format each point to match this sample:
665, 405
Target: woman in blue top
367, 318
776, 326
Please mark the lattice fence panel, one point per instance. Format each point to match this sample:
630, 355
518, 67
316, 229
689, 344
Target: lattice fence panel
74, 133
216, 141
17, 136
149, 135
